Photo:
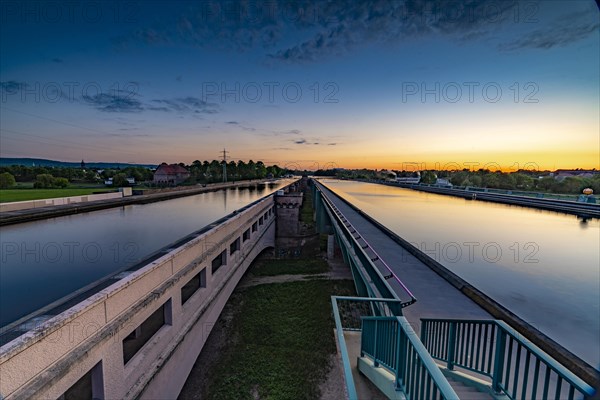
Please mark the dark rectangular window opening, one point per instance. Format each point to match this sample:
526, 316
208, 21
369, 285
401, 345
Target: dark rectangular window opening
266, 215
219, 261
246, 235
234, 246
143, 333
90, 386
260, 221
197, 282
254, 227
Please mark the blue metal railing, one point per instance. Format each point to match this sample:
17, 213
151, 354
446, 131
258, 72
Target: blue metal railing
392, 343
517, 368
347, 314
367, 255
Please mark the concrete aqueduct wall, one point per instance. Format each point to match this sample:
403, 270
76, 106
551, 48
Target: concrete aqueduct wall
86, 343
58, 201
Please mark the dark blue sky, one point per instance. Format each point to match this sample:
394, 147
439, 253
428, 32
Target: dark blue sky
375, 84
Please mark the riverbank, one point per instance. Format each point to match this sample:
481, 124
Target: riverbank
582, 210
19, 216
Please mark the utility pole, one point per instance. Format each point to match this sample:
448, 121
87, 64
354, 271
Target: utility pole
225, 165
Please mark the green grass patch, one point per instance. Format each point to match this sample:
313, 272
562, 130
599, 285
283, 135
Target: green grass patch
8, 195
290, 266
306, 210
323, 242
282, 338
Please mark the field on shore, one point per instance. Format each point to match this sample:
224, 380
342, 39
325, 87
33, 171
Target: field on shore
9, 195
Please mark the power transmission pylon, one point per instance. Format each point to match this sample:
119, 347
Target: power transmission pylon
225, 165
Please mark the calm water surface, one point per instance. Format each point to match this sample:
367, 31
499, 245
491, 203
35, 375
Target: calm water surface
43, 261
542, 265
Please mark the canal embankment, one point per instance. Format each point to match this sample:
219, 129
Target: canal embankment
582, 210
148, 196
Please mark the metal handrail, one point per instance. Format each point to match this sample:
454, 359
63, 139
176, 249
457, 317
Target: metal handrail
392, 343
459, 343
350, 386
342, 218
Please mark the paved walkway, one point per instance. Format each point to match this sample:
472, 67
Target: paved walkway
436, 297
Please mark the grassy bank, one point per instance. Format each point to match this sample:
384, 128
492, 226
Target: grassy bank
9, 195
281, 342
292, 267
306, 210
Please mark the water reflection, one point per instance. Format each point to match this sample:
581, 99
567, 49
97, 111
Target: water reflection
43, 261
542, 265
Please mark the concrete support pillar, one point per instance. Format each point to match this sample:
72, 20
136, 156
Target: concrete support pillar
330, 246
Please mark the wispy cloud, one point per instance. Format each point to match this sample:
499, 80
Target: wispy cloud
312, 142
129, 134
346, 25
239, 125
306, 32
188, 104
114, 102
565, 31
57, 60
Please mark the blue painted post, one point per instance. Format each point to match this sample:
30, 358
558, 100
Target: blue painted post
318, 210
451, 344
499, 360
401, 358
375, 362
424, 326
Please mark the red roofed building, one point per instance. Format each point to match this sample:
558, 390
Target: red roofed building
172, 174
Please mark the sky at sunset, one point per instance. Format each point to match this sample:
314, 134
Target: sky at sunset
376, 84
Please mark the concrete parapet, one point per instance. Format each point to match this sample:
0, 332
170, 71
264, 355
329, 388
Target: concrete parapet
23, 205
48, 360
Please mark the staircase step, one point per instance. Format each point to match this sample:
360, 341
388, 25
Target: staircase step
466, 392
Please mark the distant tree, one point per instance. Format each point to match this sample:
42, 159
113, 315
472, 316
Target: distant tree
91, 176
570, 184
7, 180
250, 170
44, 181
594, 183
108, 173
136, 174
261, 170
523, 181
428, 177
232, 172
458, 178
61, 182
120, 180
474, 180
545, 184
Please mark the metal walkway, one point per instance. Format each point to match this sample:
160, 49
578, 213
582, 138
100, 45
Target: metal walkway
437, 298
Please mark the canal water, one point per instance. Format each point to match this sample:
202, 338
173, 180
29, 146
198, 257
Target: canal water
43, 261
542, 265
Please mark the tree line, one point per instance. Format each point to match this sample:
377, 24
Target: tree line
209, 172
200, 172
537, 181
